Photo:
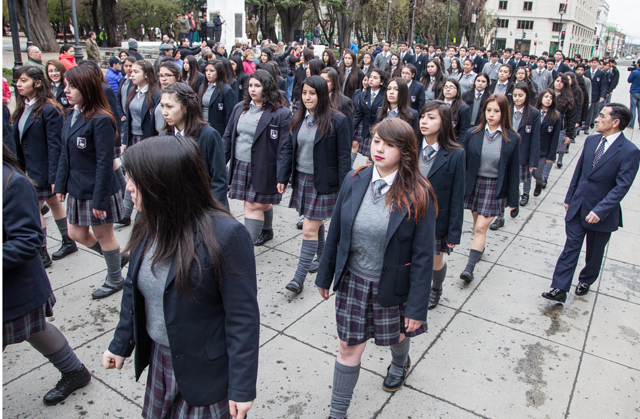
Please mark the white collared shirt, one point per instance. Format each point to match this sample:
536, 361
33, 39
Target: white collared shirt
610, 141
486, 128
140, 92
176, 131
436, 146
388, 179
29, 103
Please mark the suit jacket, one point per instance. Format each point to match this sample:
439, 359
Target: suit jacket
348, 92
61, 97
508, 93
469, 98
366, 111
509, 169
39, 149
478, 64
549, 136
563, 68
599, 84
86, 163
601, 188
25, 285
214, 339
408, 58
113, 107
408, 253
381, 62
212, 151
541, 80
415, 122
530, 139
464, 120
148, 119
348, 110
271, 143
416, 95
420, 61
120, 94
615, 79
220, 107
331, 155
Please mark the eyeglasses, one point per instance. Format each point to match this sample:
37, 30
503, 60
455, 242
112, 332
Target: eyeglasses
165, 76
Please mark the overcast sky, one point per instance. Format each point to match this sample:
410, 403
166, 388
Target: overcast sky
624, 13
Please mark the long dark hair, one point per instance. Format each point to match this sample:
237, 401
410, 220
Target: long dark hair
447, 134
194, 70
527, 103
410, 186
43, 93
331, 61
315, 67
398, 71
505, 115
458, 67
177, 206
404, 101
552, 112
336, 98
239, 68
172, 66
152, 80
94, 101
352, 81
270, 67
362, 63
565, 98
10, 160
383, 80
323, 113
228, 70
457, 101
268, 53
190, 102
439, 77
221, 79
575, 87
96, 69
271, 95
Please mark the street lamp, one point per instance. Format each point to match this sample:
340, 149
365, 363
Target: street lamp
386, 34
413, 19
561, 14
15, 37
78, 51
26, 23
64, 30
446, 41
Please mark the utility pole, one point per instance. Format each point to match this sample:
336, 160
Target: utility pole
26, 22
386, 34
561, 38
413, 21
15, 38
77, 48
64, 29
446, 39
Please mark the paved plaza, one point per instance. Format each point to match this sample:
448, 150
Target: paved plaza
494, 349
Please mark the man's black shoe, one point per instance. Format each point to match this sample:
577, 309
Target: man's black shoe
265, 236
555, 295
514, 212
68, 247
524, 199
70, 382
538, 190
544, 184
582, 288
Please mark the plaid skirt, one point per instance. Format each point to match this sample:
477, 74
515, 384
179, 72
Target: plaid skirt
441, 245
365, 146
135, 139
162, 398
483, 198
44, 193
360, 317
20, 329
79, 211
525, 173
117, 152
308, 201
242, 188
357, 135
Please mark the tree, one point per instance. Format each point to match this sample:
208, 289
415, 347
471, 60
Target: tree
291, 13
139, 14
42, 33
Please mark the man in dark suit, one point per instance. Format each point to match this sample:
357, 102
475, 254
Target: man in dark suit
560, 66
551, 66
599, 89
517, 62
405, 54
605, 172
614, 78
476, 59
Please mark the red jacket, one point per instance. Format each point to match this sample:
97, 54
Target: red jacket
69, 62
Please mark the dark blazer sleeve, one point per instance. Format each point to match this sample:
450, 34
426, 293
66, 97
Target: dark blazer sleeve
534, 151
554, 140
624, 179
464, 120
229, 98
513, 173
285, 147
118, 93
343, 147
228, 132
359, 111
123, 340
53, 121
217, 167
104, 133
576, 175
456, 208
571, 119
420, 99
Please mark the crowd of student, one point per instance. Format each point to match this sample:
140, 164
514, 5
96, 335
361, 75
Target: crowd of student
442, 132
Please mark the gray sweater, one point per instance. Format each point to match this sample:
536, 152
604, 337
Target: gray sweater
304, 152
135, 107
247, 126
490, 157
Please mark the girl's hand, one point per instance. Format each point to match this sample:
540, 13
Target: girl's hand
324, 293
281, 188
100, 215
124, 147
549, 161
531, 169
110, 361
411, 325
52, 186
60, 197
451, 246
567, 140
238, 410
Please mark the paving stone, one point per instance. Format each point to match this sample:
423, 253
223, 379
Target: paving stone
410, 404
620, 280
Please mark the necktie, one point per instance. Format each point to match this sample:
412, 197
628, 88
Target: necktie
599, 152
517, 115
373, 96
501, 87
179, 134
378, 185
428, 153
543, 114
76, 114
478, 95
492, 136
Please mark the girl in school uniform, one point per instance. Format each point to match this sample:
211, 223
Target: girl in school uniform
337, 100
396, 104
217, 96
492, 173
350, 74
442, 161
395, 67
461, 113
367, 63
319, 160
357, 129
86, 173
521, 76
230, 80
432, 80
168, 73
191, 73
189, 308
255, 142
567, 108
550, 127
476, 97
379, 257
37, 123
367, 106
238, 72
55, 75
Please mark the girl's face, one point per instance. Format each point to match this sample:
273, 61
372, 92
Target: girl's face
406, 75
172, 110
450, 90
481, 84
325, 57
430, 123
547, 100
123, 55
519, 97
386, 157
26, 86
211, 74
348, 60
166, 77
309, 98
70, 52
308, 72
329, 84
454, 65
234, 66
521, 74
73, 95
177, 56
137, 76
365, 82
467, 66
374, 80
392, 92
366, 59
432, 69
493, 113
264, 57
185, 65
255, 90
54, 74
558, 84
137, 202
394, 61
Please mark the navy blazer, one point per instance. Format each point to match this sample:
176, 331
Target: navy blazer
61, 97
367, 112
599, 84
416, 95
347, 90
39, 149
469, 97
200, 79
530, 138
270, 144
563, 68
213, 339
25, 285
415, 122
464, 120
408, 58
549, 136
331, 155
148, 119
212, 151
86, 162
601, 188
113, 106
508, 93
478, 64
119, 95
508, 171
408, 252
220, 107
420, 63
447, 176
235, 86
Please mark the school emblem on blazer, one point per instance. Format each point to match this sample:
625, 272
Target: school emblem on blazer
81, 142
413, 98
220, 106
527, 129
454, 123
549, 128
598, 78
64, 101
274, 134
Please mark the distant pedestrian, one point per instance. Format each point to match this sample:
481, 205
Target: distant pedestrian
93, 51
317, 32
67, 56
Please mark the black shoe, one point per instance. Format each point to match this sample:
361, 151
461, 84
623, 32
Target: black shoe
592, 126
514, 212
314, 266
544, 184
524, 199
572, 141
555, 295
466, 275
586, 132
100, 293
124, 259
582, 288
538, 190
44, 257
299, 224
434, 298
497, 223
559, 164
70, 382
295, 286
68, 247
391, 382
125, 221
265, 236
44, 209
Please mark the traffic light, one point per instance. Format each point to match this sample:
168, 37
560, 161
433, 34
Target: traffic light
535, 42
524, 35
597, 41
562, 35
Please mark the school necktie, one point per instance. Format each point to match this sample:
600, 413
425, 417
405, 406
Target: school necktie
517, 115
478, 95
543, 114
428, 153
378, 185
179, 134
501, 87
599, 152
76, 115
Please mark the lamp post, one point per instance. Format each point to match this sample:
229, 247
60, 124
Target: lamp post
15, 38
386, 33
27, 26
413, 20
477, 19
561, 39
78, 51
64, 29
446, 39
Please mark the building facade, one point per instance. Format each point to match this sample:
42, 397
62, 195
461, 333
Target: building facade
536, 26
601, 28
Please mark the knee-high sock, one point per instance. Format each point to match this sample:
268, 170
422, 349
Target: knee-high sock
121, 179
96, 248
345, 379
128, 204
254, 227
114, 273
474, 257
438, 278
62, 227
54, 346
268, 220
547, 170
307, 252
44, 237
399, 356
320, 250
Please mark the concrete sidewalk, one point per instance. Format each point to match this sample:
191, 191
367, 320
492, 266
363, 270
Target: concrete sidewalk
495, 348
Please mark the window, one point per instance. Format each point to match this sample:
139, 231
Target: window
561, 8
502, 5
525, 24
557, 27
503, 23
528, 6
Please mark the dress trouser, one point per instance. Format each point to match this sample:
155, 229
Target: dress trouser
568, 260
593, 112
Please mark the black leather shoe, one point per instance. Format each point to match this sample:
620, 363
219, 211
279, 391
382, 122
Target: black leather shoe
582, 288
514, 212
586, 132
44, 209
555, 295
497, 223
538, 190
68, 247
314, 266
265, 236
44, 257
524, 200
125, 221
299, 224
434, 299
467, 276
70, 382
544, 184
124, 259
100, 293
391, 382
573, 141
295, 286
559, 165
